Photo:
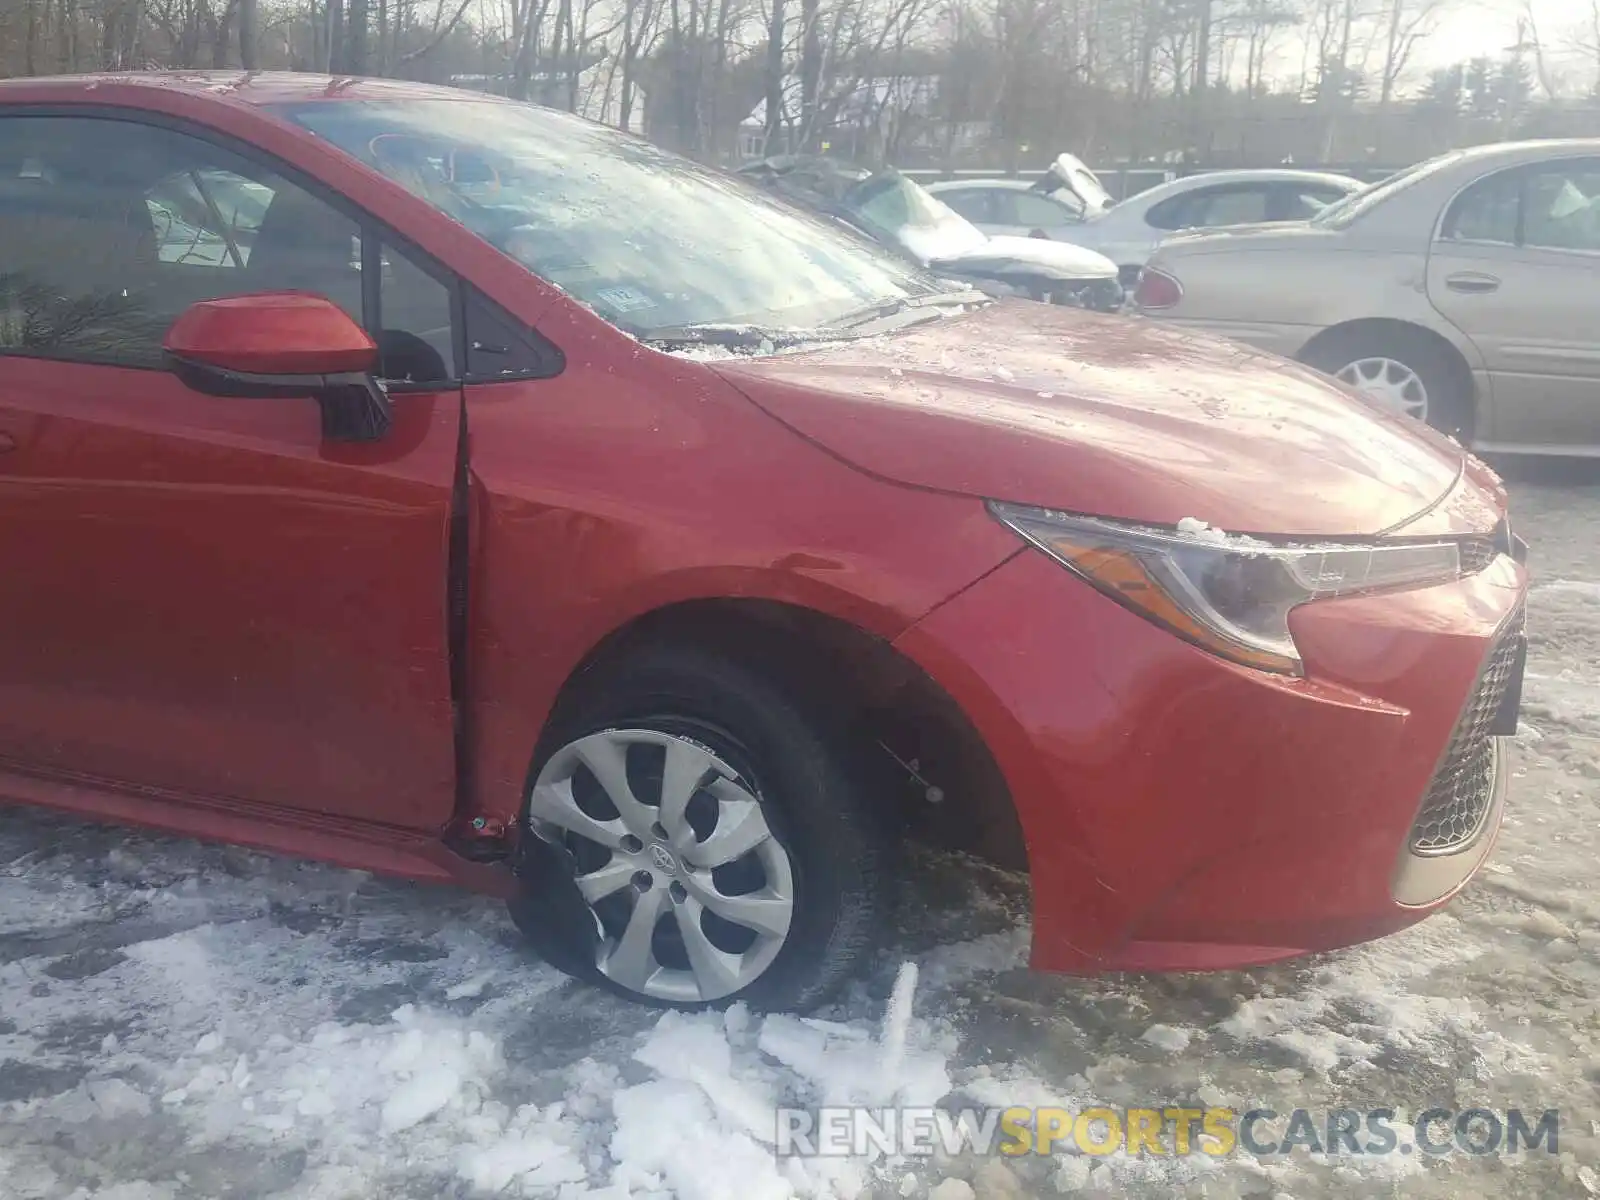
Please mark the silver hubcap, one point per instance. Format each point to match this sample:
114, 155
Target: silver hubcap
1389, 383
691, 892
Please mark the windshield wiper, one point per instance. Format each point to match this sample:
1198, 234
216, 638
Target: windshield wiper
899, 304
736, 337
765, 340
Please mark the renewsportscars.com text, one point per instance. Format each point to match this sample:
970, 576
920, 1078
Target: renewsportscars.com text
1165, 1131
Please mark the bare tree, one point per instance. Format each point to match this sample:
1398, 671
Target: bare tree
1404, 24
1586, 39
247, 34
774, 75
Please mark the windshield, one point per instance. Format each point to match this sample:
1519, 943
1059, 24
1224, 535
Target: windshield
906, 213
648, 240
1341, 213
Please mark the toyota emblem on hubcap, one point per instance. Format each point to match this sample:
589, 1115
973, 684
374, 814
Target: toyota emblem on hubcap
663, 859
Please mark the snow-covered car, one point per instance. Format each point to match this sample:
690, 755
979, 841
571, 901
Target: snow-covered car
1128, 232
902, 214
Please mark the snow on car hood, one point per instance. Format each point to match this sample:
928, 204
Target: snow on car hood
1038, 256
1054, 407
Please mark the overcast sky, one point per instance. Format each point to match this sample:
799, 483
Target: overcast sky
1468, 28
1473, 27
1464, 31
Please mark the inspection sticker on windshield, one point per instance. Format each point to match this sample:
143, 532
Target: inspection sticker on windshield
625, 299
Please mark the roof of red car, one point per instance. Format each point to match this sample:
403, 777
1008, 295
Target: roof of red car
247, 87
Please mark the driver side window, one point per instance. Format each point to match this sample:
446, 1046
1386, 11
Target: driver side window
110, 229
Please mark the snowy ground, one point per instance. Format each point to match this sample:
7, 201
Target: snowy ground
180, 1020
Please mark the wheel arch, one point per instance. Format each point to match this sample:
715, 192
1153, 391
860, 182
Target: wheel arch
1452, 353
902, 723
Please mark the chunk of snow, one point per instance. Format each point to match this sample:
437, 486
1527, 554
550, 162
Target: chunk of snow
314, 1104
897, 1019
666, 1127
420, 1097
469, 988
1071, 1174
694, 1049
1543, 923
843, 1071
1170, 1038
1201, 531
106, 1100
535, 1160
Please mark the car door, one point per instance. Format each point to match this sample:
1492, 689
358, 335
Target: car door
1514, 265
205, 599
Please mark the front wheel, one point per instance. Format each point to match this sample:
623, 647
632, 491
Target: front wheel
694, 837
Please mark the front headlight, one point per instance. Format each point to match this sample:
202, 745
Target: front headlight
1230, 595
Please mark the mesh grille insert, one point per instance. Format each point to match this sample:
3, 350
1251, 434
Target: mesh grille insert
1458, 799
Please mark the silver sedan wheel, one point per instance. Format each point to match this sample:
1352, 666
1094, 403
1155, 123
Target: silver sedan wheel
653, 866
1388, 382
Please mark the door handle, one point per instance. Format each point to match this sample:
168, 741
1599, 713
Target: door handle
1472, 283
7, 442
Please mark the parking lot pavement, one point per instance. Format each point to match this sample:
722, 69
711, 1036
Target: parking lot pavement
180, 1020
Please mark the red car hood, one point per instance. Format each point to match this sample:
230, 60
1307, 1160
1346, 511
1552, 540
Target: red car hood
1115, 417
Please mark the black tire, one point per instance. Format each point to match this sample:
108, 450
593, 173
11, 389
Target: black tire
811, 798
1443, 375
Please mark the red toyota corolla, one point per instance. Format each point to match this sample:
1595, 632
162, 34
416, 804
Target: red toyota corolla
455, 489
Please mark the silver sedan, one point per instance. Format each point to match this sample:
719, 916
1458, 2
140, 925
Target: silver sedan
1464, 291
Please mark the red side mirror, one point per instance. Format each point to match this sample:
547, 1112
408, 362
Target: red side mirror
272, 333
283, 344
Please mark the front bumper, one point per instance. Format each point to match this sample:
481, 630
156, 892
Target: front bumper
1181, 812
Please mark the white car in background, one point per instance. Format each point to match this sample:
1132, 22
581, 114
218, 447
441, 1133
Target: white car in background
1127, 232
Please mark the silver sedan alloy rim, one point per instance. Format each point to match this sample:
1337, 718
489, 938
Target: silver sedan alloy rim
1389, 383
662, 858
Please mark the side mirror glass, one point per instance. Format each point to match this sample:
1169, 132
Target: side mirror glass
283, 344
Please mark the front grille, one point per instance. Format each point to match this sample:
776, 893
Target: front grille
1458, 799
1479, 551
1476, 554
